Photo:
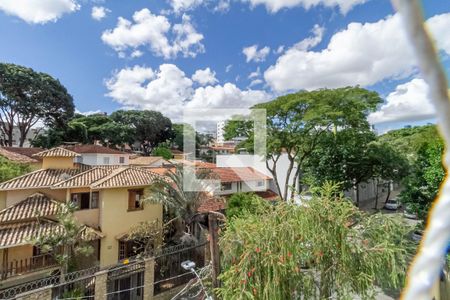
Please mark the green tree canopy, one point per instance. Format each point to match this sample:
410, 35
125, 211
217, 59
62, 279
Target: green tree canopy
10, 170
150, 128
327, 248
27, 97
243, 203
162, 151
296, 121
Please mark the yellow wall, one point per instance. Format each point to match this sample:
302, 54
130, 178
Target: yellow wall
57, 163
20, 252
116, 220
15, 196
2, 199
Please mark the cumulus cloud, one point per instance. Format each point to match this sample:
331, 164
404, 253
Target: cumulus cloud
252, 53
228, 68
157, 33
409, 102
255, 74
99, 12
312, 41
89, 112
361, 54
255, 82
39, 11
179, 6
168, 90
275, 5
205, 77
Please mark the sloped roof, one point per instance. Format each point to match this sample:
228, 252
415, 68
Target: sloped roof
268, 195
24, 151
94, 149
16, 157
85, 178
125, 177
212, 204
22, 233
56, 152
42, 178
238, 174
36, 205
144, 160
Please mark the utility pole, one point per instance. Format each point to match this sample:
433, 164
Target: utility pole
214, 247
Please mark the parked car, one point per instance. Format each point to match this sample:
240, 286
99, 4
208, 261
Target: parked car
392, 204
409, 213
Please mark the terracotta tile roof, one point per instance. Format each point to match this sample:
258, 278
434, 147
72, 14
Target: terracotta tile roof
145, 160
42, 178
84, 179
124, 177
16, 157
160, 170
24, 151
268, 195
94, 149
212, 204
238, 174
16, 234
56, 152
36, 205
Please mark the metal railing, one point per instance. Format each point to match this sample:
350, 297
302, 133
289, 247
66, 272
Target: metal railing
22, 266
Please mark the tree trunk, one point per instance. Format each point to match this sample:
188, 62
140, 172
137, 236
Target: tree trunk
356, 187
389, 192
288, 176
376, 194
273, 171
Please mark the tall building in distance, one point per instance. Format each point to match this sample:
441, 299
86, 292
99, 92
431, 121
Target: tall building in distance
220, 135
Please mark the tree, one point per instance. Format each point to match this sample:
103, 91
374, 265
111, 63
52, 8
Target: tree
180, 204
422, 185
162, 151
147, 237
27, 97
353, 156
242, 203
150, 128
296, 121
68, 238
10, 170
326, 249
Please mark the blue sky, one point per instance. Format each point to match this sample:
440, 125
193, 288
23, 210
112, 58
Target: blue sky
293, 48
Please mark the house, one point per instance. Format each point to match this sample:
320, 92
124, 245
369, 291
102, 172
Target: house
98, 155
108, 201
147, 161
31, 135
178, 154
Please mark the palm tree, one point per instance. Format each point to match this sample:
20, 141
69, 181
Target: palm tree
181, 204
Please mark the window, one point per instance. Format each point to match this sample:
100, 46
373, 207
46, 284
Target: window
134, 199
260, 183
85, 200
225, 186
121, 160
127, 249
106, 160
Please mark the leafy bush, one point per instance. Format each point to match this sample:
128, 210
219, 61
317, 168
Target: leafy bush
163, 152
9, 169
242, 203
327, 248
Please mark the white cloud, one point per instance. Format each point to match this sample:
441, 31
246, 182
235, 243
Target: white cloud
361, 54
279, 50
148, 29
99, 12
179, 6
39, 11
89, 112
409, 102
222, 6
136, 53
255, 74
275, 5
205, 77
312, 41
226, 96
228, 68
168, 90
255, 82
253, 54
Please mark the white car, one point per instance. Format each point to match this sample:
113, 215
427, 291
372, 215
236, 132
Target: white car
392, 204
409, 214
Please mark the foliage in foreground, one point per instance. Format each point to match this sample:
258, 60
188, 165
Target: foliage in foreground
9, 169
243, 203
326, 248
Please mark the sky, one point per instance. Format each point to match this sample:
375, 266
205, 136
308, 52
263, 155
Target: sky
171, 55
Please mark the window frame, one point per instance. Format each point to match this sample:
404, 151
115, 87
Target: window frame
133, 204
223, 184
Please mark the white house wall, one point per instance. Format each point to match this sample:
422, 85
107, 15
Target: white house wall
98, 159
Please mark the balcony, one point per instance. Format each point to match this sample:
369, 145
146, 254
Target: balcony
27, 265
